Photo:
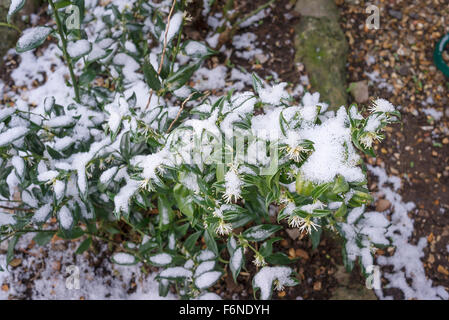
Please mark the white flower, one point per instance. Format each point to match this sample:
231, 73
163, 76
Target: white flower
293, 148
259, 261
295, 221
145, 184
308, 224
284, 199
295, 153
278, 285
102, 165
304, 224
292, 173
368, 138
223, 228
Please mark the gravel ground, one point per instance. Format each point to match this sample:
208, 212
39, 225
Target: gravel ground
401, 52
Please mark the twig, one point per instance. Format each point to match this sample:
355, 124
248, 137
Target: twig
16, 209
8, 25
180, 110
229, 32
254, 12
64, 50
164, 49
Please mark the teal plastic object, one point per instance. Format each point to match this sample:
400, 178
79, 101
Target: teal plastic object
438, 55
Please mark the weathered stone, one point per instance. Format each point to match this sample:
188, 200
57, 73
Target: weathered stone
9, 36
317, 8
395, 14
344, 293
382, 205
349, 290
293, 233
261, 58
359, 90
322, 47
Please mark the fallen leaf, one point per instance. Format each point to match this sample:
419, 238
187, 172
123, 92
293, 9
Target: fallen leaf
443, 270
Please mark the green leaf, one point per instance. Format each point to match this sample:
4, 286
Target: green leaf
148, 246
125, 149
257, 83
165, 212
210, 242
132, 101
84, 246
62, 4
318, 191
315, 237
184, 200
42, 238
266, 248
341, 212
236, 262
164, 286
260, 232
231, 245
74, 233
348, 263
11, 245
13, 10
279, 258
189, 244
34, 144
32, 38
151, 77
180, 77
87, 77
340, 185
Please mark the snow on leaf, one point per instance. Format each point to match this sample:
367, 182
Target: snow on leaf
32, 38
236, 262
124, 258
175, 273
207, 279
10, 135
204, 267
65, 218
260, 232
79, 48
175, 24
161, 259
14, 7
6, 218
264, 279
206, 255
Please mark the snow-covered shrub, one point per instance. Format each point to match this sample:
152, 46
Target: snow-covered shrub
188, 179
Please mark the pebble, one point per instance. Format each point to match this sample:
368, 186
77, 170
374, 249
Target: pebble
382, 205
359, 91
395, 14
293, 233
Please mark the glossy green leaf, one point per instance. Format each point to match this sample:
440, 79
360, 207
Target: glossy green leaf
151, 76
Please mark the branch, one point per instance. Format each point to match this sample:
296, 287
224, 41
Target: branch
8, 25
180, 110
164, 48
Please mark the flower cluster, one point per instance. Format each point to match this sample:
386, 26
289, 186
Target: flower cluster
134, 144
